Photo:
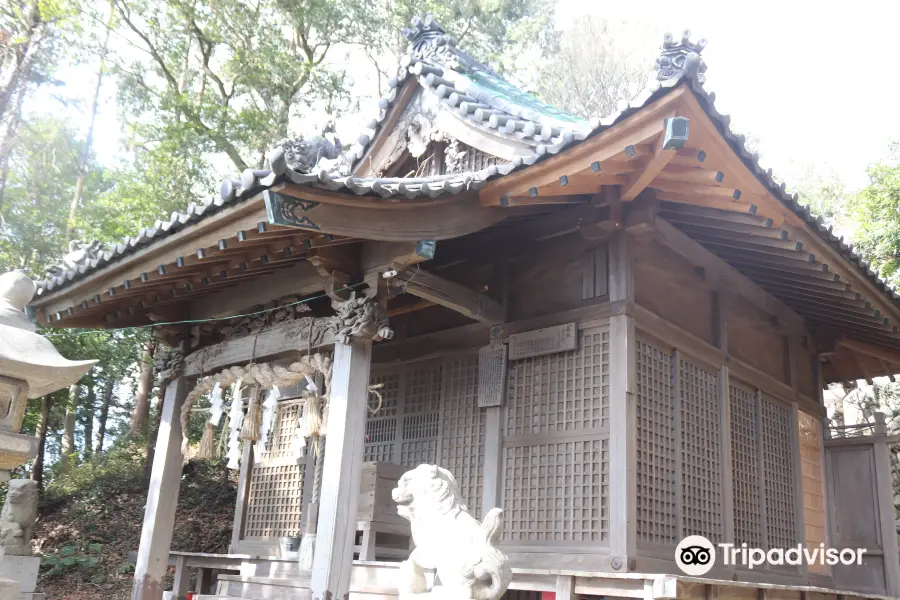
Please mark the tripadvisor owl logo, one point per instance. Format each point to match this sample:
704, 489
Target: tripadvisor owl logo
695, 555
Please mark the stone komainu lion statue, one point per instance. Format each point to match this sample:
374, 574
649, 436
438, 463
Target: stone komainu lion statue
463, 551
18, 517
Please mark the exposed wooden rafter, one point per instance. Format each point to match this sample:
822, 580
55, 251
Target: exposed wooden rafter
451, 295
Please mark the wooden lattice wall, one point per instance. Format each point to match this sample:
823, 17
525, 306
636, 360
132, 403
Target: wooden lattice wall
556, 446
681, 463
276, 484
429, 414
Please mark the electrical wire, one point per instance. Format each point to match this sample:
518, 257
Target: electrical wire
349, 287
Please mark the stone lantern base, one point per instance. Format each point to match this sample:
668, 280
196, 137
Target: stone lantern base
18, 577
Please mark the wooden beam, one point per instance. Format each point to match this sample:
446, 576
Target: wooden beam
379, 149
364, 217
772, 207
639, 182
336, 528
452, 295
724, 276
639, 128
380, 256
301, 280
289, 335
885, 354
889, 370
862, 368
162, 498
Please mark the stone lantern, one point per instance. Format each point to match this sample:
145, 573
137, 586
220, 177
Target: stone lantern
30, 367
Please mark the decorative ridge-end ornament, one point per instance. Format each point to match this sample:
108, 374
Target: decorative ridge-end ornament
430, 41
681, 59
360, 318
464, 552
424, 31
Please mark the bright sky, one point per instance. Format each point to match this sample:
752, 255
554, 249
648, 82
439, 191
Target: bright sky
814, 82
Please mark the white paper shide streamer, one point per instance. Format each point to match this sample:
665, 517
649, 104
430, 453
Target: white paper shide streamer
216, 408
268, 419
235, 422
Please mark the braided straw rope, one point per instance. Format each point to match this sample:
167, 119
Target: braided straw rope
264, 375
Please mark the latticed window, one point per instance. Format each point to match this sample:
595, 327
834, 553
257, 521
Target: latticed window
556, 449
680, 455
428, 413
276, 483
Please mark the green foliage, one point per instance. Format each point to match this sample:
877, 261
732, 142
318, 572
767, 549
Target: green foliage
104, 476
876, 213
83, 556
43, 167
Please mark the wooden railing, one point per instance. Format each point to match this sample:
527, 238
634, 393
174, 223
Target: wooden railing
878, 427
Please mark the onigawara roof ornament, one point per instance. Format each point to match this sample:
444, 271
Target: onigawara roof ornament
306, 155
79, 254
681, 59
427, 39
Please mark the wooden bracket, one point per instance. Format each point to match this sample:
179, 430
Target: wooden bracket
660, 158
452, 295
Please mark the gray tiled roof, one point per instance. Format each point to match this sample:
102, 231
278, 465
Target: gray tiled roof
549, 130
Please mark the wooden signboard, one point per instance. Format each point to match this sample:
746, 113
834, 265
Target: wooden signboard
543, 341
491, 375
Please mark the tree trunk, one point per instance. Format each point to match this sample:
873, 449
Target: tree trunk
67, 447
88, 412
141, 414
9, 141
108, 389
82, 162
37, 473
24, 58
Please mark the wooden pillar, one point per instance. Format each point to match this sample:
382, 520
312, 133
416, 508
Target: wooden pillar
342, 470
243, 494
622, 416
799, 513
493, 455
162, 498
884, 492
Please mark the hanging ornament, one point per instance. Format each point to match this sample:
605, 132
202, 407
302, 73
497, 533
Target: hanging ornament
215, 411
298, 443
268, 418
252, 422
208, 442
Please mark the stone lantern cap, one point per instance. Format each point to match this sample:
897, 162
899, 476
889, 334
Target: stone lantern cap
25, 355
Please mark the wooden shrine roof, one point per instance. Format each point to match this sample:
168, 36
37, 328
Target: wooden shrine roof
709, 188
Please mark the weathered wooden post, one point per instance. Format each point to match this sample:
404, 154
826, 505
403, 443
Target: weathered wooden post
622, 418
361, 321
162, 495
